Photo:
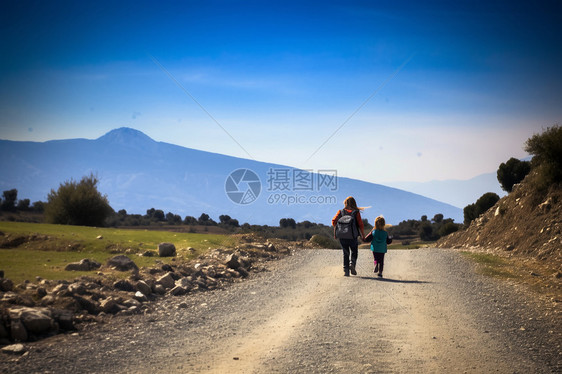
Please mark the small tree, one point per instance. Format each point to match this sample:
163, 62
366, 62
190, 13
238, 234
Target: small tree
23, 204
448, 228
38, 206
203, 219
438, 218
547, 151
485, 202
288, 222
224, 219
78, 203
190, 220
512, 172
9, 200
426, 232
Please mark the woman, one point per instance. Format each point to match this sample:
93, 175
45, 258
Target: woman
348, 238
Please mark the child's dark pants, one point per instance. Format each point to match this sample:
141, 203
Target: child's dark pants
349, 247
379, 259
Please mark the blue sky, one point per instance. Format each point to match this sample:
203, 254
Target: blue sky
456, 87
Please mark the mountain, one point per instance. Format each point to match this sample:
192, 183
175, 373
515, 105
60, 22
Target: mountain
138, 173
458, 193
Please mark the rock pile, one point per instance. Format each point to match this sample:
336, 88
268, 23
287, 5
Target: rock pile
30, 311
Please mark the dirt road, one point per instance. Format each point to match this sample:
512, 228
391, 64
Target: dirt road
430, 314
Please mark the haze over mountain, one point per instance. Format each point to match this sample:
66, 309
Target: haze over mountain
138, 173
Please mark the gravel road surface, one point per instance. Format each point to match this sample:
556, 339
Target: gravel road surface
431, 313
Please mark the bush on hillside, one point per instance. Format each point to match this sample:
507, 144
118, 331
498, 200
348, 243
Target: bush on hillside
485, 202
512, 172
547, 151
77, 203
448, 228
9, 200
287, 222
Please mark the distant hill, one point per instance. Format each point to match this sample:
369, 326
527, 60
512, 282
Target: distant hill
458, 193
138, 173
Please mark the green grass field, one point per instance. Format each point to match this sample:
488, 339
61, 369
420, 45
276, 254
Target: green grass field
55, 246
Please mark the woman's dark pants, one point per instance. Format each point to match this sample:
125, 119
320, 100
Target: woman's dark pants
349, 247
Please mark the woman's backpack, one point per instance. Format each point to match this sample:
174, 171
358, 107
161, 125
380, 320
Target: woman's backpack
346, 227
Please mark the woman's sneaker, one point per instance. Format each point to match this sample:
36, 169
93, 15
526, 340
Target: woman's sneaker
380, 275
352, 269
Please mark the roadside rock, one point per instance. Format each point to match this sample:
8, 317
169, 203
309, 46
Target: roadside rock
124, 285
35, 320
167, 267
6, 285
243, 272
17, 330
109, 305
88, 305
14, 349
232, 261
167, 280
83, 265
144, 288
77, 288
122, 263
166, 249
159, 289
139, 296
178, 290
64, 319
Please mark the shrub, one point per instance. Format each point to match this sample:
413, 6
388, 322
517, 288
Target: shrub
512, 172
448, 228
322, 241
38, 206
485, 202
205, 220
287, 222
9, 201
426, 232
469, 213
77, 203
23, 204
190, 220
547, 151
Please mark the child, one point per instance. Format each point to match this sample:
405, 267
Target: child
378, 244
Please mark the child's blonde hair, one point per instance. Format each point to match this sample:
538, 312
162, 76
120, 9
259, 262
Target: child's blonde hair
379, 223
